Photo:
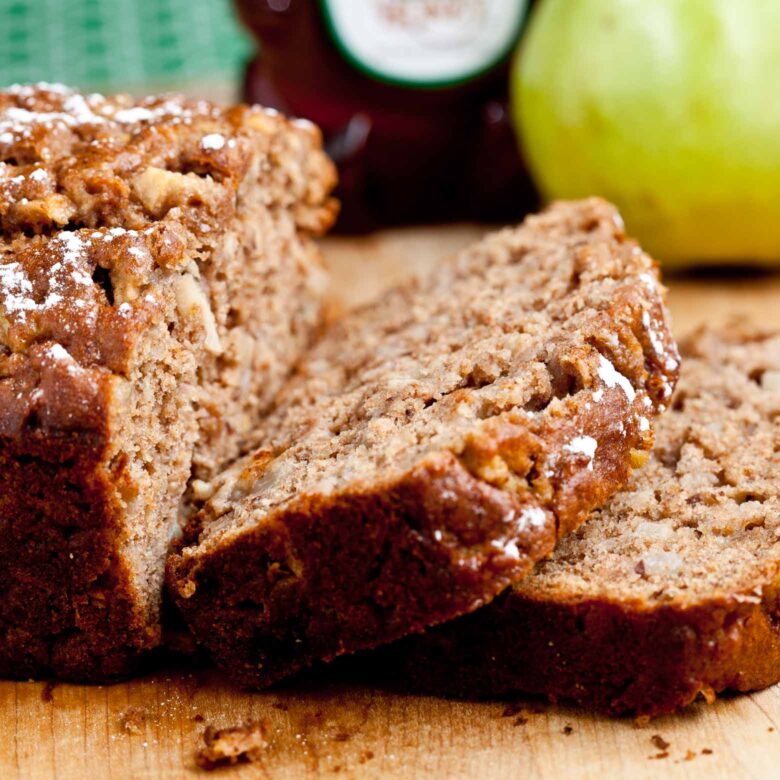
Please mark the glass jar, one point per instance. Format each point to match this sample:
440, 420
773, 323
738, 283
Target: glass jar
411, 96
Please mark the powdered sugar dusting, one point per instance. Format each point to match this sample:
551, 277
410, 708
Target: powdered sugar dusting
59, 354
649, 281
583, 445
212, 142
670, 363
533, 517
15, 291
69, 272
529, 517
613, 378
75, 109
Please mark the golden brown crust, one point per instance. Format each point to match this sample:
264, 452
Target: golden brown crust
338, 569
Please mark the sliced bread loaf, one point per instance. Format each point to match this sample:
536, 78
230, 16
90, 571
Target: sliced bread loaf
669, 592
157, 281
432, 447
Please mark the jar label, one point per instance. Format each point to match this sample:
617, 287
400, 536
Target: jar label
425, 43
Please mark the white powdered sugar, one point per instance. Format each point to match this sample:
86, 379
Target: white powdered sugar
670, 363
611, 377
583, 445
15, 290
649, 281
509, 548
533, 517
170, 109
134, 115
212, 142
304, 124
529, 517
94, 109
28, 90
78, 107
59, 354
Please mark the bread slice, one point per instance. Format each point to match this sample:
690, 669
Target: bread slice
157, 281
669, 592
432, 447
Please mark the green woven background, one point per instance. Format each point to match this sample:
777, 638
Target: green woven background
120, 43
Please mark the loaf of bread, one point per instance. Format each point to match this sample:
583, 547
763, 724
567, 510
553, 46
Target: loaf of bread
432, 447
157, 281
671, 590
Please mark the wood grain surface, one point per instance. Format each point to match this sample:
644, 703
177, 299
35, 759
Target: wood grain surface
320, 727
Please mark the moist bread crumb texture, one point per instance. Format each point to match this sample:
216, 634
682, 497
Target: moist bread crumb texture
157, 280
432, 446
671, 590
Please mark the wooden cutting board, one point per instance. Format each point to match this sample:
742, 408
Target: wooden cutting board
319, 728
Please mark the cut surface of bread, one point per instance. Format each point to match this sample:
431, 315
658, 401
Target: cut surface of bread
671, 590
157, 281
432, 446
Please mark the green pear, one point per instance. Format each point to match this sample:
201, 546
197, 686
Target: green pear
668, 108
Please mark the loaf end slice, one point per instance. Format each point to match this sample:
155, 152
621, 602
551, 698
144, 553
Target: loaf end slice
158, 278
671, 591
432, 447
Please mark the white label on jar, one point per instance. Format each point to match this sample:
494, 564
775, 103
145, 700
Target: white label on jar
425, 43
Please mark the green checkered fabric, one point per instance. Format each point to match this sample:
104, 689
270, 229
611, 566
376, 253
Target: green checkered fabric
119, 43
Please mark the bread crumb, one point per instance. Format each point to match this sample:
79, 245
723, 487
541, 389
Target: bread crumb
659, 742
706, 751
225, 747
567, 729
640, 721
690, 755
132, 720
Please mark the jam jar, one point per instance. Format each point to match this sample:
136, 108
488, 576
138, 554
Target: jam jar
411, 96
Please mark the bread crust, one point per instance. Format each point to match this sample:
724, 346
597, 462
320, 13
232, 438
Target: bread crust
365, 566
67, 602
604, 655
